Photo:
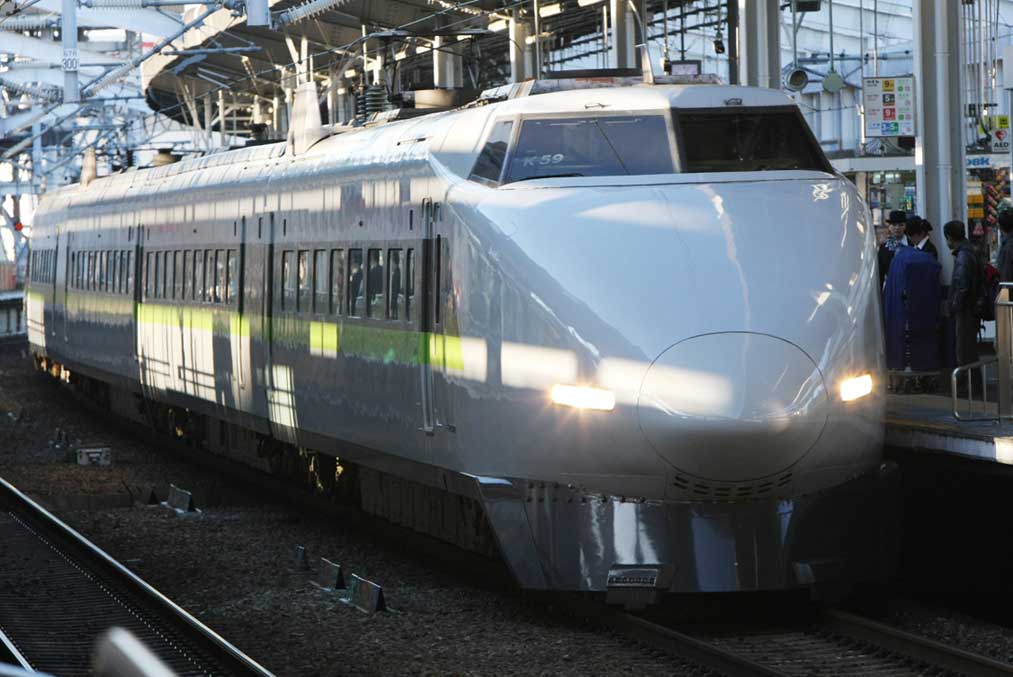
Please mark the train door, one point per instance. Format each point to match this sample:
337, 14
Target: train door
135, 282
257, 281
65, 288
50, 305
434, 396
239, 334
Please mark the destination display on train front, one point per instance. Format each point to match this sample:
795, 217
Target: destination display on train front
889, 106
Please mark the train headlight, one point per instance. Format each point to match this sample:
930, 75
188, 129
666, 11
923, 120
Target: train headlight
855, 388
583, 397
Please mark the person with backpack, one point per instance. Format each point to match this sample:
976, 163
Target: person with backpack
966, 286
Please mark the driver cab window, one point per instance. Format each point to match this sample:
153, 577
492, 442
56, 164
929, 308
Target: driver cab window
617, 145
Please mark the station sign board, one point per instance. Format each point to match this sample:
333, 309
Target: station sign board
889, 106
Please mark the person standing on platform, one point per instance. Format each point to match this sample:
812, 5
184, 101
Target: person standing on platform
917, 233
895, 222
961, 305
1005, 261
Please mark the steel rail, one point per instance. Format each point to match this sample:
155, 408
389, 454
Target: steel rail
904, 643
232, 658
906, 647
690, 648
11, 650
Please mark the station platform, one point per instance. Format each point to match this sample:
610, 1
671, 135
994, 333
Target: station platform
925, 423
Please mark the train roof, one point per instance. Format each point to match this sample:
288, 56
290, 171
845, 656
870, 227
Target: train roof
451, 137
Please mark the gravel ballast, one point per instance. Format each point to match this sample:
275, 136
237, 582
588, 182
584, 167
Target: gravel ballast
231, 565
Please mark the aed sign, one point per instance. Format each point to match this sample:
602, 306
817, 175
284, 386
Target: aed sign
889, 106
1000, 134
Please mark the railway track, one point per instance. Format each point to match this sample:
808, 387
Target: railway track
835, 643
59, 593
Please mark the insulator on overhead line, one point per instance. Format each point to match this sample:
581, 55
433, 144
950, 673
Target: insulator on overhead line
115, 4
376, 99
360, 104
307, 10
29, 22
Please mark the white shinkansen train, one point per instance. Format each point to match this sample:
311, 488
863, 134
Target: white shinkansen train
629, 337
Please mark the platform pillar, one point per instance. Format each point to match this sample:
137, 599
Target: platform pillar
939, 144
759, 39
622, 34
448, 68
520, 59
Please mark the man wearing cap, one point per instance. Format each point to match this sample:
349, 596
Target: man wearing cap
896, 222
917, 233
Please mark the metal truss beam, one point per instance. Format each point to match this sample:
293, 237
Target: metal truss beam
138, 20
43, 50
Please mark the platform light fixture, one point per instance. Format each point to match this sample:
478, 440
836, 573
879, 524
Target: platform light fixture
856, 387
588, 3
498, 25
550, 10
583, 397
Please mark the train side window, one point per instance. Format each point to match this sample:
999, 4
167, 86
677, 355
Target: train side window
374, 285
73, 268
320, 281
409, 284
303, 302
220, 277
148, 275
187, 275
489, 164
159, 264
198, 275
337, 277
177, 258
157, 258
232, 286
114, 278
130, 272
110, 272
159, 275
167, 271
288, 280
354, 282
209, 275
395, 288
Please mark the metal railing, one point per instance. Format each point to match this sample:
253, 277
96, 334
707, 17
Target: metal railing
971, 409
1004, 368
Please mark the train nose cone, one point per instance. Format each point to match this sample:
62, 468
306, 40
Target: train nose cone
733, 406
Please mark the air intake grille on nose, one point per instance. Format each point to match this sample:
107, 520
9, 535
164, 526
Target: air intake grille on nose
731, 491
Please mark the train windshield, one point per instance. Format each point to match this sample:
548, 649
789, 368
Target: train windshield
745, 140
590, 146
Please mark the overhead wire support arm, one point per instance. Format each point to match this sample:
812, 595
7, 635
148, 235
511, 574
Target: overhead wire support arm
106, 80
136, 4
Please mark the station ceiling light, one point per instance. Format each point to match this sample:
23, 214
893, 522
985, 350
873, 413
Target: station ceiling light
550, 10
588, 3
498, 25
